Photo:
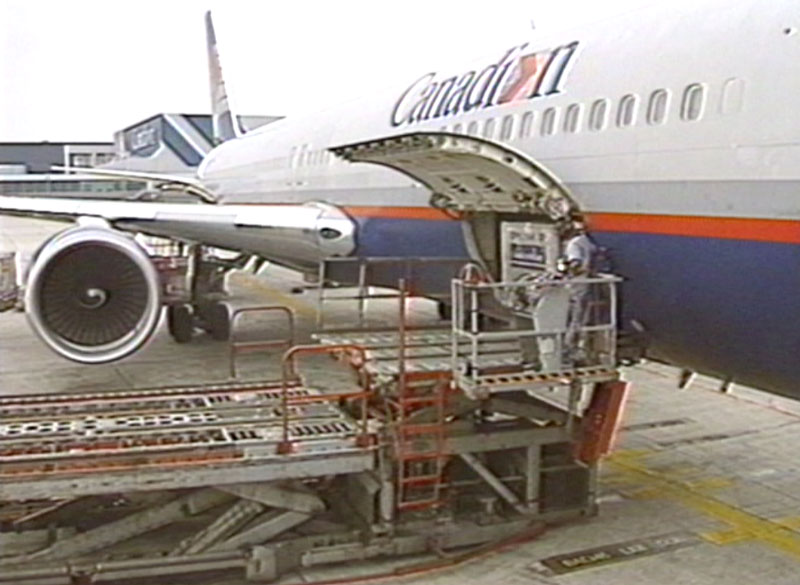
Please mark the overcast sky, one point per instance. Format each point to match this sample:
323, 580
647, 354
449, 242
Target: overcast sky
77, 70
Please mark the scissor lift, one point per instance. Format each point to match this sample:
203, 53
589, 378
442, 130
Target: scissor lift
279, 473
448, 437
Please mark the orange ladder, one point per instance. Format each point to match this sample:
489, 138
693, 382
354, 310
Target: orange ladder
420, 447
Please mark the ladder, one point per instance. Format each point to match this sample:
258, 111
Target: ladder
420, 447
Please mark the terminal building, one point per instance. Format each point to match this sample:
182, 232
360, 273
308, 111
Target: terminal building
163, 143
170, 143
21, 158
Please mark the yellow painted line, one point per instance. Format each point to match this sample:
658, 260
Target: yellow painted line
743, 525
712, 483
723, 537
265, 291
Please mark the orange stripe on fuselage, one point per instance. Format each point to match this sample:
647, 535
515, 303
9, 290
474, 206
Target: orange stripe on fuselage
428, 213
727, 228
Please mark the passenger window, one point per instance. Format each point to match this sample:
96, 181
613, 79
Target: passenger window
488, 128
472, 128
626, 113
507, 127
527, 124
457, 129
693, 102
548, 121
598, 115
657, 107
732, 96
572, 118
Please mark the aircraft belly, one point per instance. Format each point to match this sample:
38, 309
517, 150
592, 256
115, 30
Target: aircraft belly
726, 307
408, 237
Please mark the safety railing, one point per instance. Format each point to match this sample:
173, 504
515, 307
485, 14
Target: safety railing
565, 326
357, 357
237, 346
383, 271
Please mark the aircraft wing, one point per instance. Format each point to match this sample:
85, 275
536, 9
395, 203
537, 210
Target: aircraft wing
67, 208
155, 217
292, 233
96, 266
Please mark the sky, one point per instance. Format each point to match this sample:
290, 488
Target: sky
79, 70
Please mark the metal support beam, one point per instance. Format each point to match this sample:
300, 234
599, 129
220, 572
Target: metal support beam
533, 463
259, 468
273, 495
494, 439
18, 543
233, 518
128, 527
275, 524
521, 404
497, 485
576, 395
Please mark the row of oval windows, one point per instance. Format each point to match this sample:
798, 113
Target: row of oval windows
692, 106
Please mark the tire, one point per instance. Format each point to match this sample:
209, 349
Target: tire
218, 322
444, 310
180, 322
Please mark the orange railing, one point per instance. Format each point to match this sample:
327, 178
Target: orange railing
356, 355
238, 347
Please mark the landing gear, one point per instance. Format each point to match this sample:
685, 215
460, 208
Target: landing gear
215, 319
180, 322
199, 305
211, 317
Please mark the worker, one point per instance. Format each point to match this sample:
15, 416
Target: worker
578, 262
579, 250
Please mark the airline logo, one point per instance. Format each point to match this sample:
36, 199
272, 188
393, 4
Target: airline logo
520, 74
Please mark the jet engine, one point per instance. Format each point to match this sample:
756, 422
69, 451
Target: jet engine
93, 294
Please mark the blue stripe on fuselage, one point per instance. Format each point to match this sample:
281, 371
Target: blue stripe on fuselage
729, 308
402, 237
725, 307
409, 237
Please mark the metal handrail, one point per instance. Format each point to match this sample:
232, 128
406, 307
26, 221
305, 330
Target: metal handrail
467, 293
290, 377
408, 264
236, 347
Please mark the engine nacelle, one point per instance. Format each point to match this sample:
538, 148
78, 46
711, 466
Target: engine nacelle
93, 294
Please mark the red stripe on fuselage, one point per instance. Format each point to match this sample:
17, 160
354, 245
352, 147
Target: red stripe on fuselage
727, 228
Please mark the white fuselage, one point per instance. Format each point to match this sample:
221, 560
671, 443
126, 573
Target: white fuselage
743, 56
674, 128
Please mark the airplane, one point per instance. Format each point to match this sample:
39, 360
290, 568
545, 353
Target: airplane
669, 130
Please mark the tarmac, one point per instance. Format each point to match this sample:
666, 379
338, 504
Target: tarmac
703, 487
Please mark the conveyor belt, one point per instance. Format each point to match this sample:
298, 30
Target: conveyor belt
426, 351
497, 369
481, 385
76, 437
378, 339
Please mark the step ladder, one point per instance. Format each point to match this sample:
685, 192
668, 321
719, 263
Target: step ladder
420, 447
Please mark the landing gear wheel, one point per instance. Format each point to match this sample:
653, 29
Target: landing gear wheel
219, 322
180, 322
